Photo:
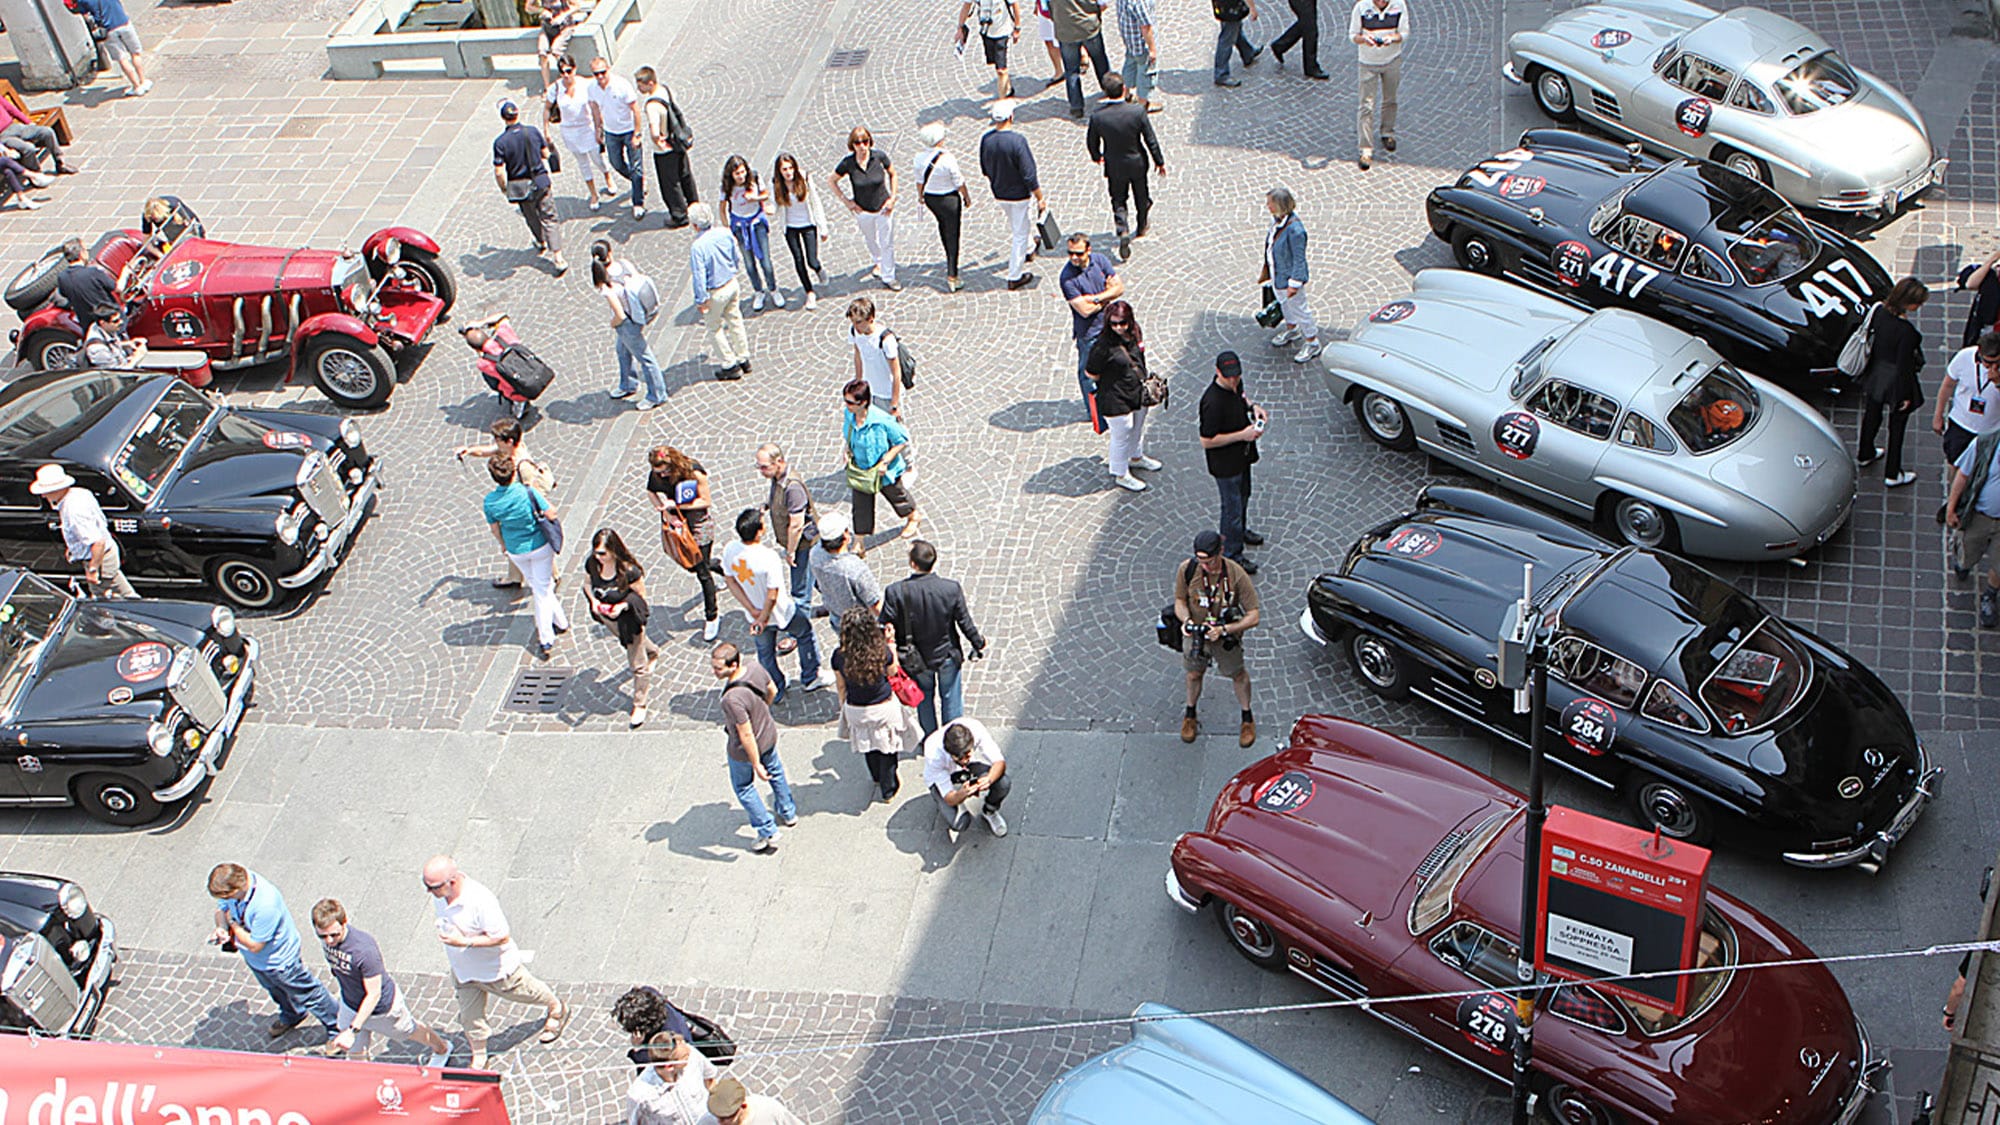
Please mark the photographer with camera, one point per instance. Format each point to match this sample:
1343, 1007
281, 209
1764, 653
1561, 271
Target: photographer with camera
967, 775
1216, 603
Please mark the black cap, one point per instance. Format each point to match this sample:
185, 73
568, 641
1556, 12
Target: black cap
1208, 543
1228, 366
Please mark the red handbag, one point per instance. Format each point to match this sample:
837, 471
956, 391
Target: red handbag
906, 689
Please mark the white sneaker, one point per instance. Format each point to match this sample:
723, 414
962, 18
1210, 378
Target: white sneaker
1149, 464
638, 212
437, 1059
708, 631
996, 822
26, 204
778, 297
1286, 335
593, 203
143, 88
821, 682
1307, 352
757, 303
40, 179
638, 717
1129, 483
812, 300
765, 844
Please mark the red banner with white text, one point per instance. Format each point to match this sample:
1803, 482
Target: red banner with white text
67, 1082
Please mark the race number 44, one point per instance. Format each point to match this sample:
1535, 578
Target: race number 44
1623, 275
1853, 294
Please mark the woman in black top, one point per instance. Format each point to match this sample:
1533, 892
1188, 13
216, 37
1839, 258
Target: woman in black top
1895, 354
678, 488
878, 725
1118, 362
618, 599
873, 183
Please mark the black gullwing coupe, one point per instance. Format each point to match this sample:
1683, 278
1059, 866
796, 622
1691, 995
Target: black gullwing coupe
1666, 683
1708, 250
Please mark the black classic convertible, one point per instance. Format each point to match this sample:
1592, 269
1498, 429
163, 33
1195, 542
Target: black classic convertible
251, 503
1707, 250
1665, 682
123, 707
56, 956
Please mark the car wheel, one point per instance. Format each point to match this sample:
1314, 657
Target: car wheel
1566, 1105
1676, 812
1642, 523
424, 271
1252, 936
1385, 420
35, 283
1380, 664
356, 375
1474, 251
116, 800
247, 583
52, 349
1743, 164
1554, 94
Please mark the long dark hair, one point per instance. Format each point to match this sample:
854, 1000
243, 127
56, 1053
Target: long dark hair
866, 659
1906, 296
600, 264
1119, 313
729, 168
677, 466
1110, 339
629, 570
781, 186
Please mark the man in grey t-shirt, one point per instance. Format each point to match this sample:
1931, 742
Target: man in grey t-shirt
842, 576
753, 743
369, 999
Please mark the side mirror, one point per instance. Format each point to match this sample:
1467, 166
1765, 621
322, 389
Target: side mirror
1536, 215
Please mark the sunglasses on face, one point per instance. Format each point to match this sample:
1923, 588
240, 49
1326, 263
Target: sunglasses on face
599, 73
436, 887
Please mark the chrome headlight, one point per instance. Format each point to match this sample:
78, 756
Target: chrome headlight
160, 739
350, 434
71, 899
223, 619
79, 950
287, 528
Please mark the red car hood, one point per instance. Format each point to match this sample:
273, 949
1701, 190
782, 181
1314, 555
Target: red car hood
228, 269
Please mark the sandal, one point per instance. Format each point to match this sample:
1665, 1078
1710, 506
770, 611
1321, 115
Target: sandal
552, 1028
787, 645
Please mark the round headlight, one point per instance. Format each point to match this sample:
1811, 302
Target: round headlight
224, 620
286, 529
160, 739
71, 899
79, 951
350, 434
392, 251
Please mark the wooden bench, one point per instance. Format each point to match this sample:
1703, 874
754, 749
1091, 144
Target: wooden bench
54, 117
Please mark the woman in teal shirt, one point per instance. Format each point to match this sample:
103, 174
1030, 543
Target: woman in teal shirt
874, 438
510, 512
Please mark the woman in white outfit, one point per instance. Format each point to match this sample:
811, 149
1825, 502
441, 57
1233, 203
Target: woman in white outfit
511, 509
569, 99
945, 194
873, 183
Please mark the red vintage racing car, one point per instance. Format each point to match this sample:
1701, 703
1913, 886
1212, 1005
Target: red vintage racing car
343, 317
1375, 868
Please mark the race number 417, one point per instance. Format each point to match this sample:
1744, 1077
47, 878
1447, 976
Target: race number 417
1813, 291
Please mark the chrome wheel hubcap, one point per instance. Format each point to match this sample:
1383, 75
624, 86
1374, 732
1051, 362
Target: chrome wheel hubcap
58, 357
1252, 935
1641, 523
1375, 660
1385, 418
1554, 89
347, 373
117, 799
1669, 808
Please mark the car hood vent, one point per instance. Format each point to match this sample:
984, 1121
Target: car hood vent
1435, 860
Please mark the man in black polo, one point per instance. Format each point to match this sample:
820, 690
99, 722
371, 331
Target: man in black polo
1230, 427
521, 168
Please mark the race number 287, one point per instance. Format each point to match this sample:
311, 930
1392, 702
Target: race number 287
1622, 275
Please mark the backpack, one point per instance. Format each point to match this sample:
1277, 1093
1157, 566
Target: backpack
524, 371
1169, 631
906, 361
1854, 354
1230, 11
642, 298
678, 133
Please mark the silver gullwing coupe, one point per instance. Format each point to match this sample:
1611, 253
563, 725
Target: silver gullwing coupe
1745, 88
1606, 416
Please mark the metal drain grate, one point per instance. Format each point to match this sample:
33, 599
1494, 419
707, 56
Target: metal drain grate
847, 58
537, 690
302, 128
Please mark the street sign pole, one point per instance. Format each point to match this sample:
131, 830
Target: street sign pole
1523, 669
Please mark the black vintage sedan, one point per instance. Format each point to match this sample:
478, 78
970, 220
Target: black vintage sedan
1708, 250
201, 495
120, 706
1665, 682
56, 956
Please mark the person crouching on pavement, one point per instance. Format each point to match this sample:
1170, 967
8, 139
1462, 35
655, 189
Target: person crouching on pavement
967, 776
1217, 603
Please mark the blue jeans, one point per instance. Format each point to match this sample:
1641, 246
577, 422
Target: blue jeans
1086, 385
298, 994
1072, 57
802, 579
1230, 36
622, 150
1138, 75
944, 696
753, 235
800, 630
743, 779
1235, 511
636, 362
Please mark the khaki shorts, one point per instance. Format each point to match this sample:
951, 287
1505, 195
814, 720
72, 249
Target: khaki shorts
1976, 535
1228, 661
396, 1022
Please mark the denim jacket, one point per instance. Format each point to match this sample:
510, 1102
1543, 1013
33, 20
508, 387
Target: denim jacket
1288, 254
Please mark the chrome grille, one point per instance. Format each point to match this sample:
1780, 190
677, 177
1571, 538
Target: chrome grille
192, 683
40, 985
323, 491
1605, 103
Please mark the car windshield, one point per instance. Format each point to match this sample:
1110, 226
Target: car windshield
1771, 248
1438, 876
27, 619
1716, 954
353, 282
1818, 83
160, 439
1719, 409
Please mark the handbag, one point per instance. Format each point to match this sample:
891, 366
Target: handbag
709, 1038
1051, 234
1855, 353
906, 689
519, 191
867, 480
1273, 313
1153, 389
677, 540
548, 525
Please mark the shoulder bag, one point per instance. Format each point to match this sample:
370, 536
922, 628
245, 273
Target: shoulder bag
709, 1038
906, 689
1169, 631
548, 525
1273, 313
1153, 389
1855, 353
677, 540
867, 481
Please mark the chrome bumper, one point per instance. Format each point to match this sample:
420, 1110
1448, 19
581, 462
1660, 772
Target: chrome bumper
95, 979
1872, 1067
1179, 894
1891, 199
1507, 71
327, 557
1311, 630
1875, 852
203, 767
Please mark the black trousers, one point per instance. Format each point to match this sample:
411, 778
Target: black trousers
1135, 185
804, 245
956, 816
677, 188
948, 209
882, 771
1871, 424
704, 573
1305, 28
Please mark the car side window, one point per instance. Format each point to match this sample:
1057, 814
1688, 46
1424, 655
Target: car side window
1748, 96
1478, 953
1579, 1004
1706, 265
1666, 704
1574, 408
1699, 77
1648, 241
14, 491
1594, 671
1641, 432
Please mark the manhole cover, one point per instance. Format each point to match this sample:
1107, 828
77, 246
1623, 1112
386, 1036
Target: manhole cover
847, 58
302, 128
537, 690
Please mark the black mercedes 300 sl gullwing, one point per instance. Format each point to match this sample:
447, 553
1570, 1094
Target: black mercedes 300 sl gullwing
56, 956
122, 707
200, 494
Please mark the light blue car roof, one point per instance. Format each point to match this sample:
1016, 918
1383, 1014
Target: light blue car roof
1187, 1072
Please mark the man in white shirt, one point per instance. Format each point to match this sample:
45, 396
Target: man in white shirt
86, 537
762, 582
1378, 28
484, 960
614, 109
1968, 398
673, 1088
967, 775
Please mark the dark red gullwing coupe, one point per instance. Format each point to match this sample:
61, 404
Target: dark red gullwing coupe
1375, 868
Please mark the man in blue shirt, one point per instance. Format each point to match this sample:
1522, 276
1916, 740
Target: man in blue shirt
1009, 168
1974, 480
121, 42
1089, 282
713, 263
250, 918
521, 168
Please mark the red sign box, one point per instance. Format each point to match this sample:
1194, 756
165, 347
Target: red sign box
61, 1081
1613, 904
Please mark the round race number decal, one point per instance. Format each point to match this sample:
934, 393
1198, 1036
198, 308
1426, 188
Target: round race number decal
118, 695
1521, 187
1590, 725
1610, 37
1692, 116
144, 661
179, 274
1413, 542
286, 439
1515, 434
1288, 792
1572, 262
1488, 1020
180, 324
1393, 312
